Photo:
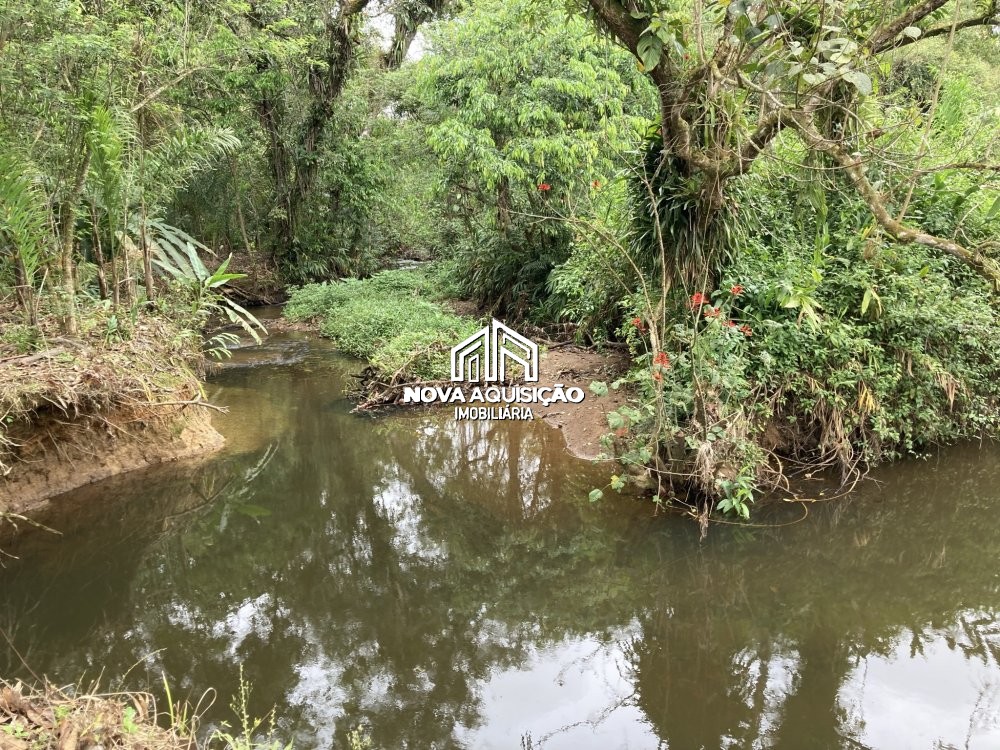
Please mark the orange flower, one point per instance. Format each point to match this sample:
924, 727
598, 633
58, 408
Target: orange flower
712, 312
746, 330
657, 376
662, 360
698, 299
544, 187
736, 289
596, 184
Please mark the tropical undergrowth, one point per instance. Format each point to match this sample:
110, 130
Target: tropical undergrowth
396, 320
819, 345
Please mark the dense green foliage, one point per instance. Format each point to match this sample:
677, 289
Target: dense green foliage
588, 168
391, 319
522, 136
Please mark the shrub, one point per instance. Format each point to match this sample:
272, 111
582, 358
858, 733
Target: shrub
362, 325
389, 320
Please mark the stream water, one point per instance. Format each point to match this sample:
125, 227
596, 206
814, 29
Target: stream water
448, 585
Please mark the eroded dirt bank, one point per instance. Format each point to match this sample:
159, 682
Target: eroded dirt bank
80, 409
583, 424
55, 456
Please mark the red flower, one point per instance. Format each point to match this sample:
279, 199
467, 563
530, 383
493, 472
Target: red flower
737, 290
729, 324
637, 322
712, 312
746, 330
662, 360
698, 299
544, 187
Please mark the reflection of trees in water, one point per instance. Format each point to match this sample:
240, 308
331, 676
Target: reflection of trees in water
405, 561
816, 601
389, 581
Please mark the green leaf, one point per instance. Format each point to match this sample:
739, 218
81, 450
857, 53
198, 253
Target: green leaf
859, 80
199, 268
216, 279
599, 388
994, 210
596, 495
649, 49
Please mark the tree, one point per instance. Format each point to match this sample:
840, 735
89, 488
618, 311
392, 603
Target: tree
299, 68
733, 76
523, 136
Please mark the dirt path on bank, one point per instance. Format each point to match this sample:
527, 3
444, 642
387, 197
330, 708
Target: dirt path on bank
582, 424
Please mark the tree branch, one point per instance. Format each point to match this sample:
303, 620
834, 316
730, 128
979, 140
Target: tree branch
616, 18
160, 89
984, 266
884, 41
767, 130
886, 34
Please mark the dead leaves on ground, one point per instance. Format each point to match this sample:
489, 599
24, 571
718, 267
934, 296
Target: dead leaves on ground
51, 718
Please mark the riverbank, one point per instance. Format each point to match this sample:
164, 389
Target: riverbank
117, 397
48, 717
404, 324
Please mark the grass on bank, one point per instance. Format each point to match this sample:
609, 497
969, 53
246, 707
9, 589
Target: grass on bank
118, 361
396, 320
73, 718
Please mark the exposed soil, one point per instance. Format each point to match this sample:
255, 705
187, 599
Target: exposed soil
56, 456
582, 424
115, 397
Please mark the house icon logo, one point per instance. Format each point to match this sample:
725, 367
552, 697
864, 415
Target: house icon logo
485, 355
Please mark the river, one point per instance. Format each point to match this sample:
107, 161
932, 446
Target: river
449, 585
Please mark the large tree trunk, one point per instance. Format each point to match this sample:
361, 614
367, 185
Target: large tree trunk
708, 146
294, 167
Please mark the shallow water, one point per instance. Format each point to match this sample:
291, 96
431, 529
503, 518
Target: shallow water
449, 585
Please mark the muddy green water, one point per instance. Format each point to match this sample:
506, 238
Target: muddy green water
447, 585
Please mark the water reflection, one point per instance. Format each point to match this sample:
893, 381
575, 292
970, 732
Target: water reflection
448, 585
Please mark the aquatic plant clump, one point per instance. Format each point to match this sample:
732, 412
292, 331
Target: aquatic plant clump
391, 320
